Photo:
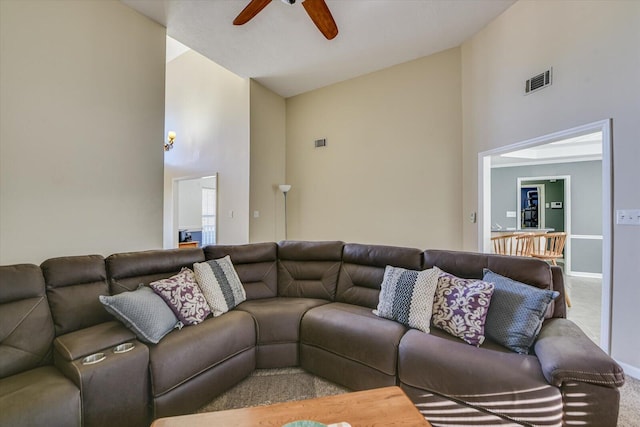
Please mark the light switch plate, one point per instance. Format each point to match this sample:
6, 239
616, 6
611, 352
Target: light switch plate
628, 217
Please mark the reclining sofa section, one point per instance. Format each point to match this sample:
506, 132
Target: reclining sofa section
308, 304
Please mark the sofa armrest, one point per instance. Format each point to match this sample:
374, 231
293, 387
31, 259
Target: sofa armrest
81, 343
567, 354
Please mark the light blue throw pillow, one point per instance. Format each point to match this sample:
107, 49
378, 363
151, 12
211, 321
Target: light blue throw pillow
516, 312
142, 311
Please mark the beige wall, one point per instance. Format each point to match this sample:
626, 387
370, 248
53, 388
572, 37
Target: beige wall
81, 117
208, 108
594, 48
267, 164
391, 171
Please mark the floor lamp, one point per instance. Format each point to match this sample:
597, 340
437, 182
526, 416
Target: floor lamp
285, 189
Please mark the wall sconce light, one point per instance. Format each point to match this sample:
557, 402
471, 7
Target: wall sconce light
285, 189
171, 136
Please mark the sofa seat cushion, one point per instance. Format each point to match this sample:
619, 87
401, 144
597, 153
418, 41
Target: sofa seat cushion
355, 333
492, 378
278, 319
39, 397
186, 353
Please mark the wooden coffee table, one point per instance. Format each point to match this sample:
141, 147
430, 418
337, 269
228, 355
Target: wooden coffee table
387, 406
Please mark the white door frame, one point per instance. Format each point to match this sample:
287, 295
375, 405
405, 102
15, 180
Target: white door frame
484, 206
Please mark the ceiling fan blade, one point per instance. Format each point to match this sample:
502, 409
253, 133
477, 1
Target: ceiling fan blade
320, 14
251, 10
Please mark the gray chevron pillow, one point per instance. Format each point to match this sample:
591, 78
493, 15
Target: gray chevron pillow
220, 284
406, 296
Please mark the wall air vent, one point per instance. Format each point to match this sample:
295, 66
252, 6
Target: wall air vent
538, 82
321, 142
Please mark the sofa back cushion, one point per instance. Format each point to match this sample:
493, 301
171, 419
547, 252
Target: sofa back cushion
256, 265
126, 271
73, 285
363, 267
470, 265
26, 327
309, 269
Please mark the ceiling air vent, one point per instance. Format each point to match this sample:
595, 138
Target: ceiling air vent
538, 82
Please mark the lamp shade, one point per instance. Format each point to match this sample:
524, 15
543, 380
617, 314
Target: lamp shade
284, 187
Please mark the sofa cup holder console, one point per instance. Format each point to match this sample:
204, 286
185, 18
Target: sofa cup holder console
123, 348
94, 358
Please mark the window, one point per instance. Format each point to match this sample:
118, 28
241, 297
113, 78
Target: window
208, 216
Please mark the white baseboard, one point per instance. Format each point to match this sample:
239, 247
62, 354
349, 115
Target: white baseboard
629, 370
588, 275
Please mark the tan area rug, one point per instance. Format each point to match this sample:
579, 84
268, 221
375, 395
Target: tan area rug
629, 403
267, 386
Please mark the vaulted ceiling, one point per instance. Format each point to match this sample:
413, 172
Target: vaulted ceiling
283, 50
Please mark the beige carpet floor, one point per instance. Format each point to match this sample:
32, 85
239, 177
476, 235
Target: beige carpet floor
267, 386
629, 403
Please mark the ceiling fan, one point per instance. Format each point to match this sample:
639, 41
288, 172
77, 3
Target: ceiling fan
317, 10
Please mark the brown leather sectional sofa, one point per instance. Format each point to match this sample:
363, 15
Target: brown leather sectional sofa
309, 304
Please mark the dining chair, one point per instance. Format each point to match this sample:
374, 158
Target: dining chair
549, 247
515, 244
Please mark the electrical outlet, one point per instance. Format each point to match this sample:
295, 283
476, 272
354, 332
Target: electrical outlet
511, 214
256, 214
628, 217
472, 217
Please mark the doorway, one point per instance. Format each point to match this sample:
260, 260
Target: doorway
554, 208
195, 204
530, 199
583, 143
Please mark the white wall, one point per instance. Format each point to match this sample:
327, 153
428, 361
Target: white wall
208, 108
594, 48
390, 173
190, 204
81, 121
267, 164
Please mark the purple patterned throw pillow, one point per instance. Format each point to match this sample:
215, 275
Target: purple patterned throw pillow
460, 307
183, 296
